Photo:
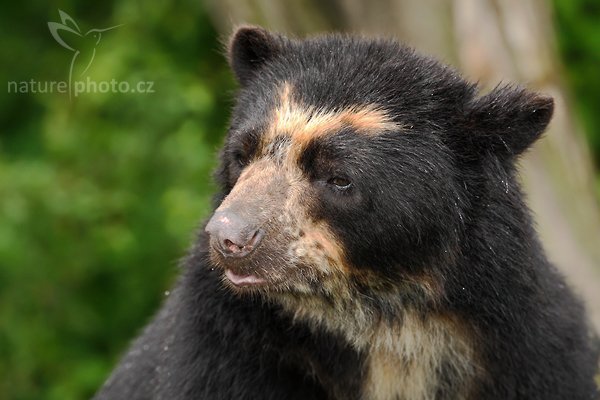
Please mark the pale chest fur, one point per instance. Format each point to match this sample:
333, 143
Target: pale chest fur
419, 360
411, 358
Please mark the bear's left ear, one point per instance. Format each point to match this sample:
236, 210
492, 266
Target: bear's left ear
249, 49
508, 120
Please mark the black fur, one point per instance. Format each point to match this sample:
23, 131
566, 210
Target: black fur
439, 198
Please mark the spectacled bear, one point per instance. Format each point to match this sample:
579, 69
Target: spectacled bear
370, 241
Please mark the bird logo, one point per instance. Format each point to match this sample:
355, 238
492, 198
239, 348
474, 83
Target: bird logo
83, 45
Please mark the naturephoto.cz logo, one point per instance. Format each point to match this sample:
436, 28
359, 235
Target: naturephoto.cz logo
83, 47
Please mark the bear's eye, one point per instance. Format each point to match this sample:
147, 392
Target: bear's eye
339, 183
240, 159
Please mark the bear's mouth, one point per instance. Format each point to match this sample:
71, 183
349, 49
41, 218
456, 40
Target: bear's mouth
244, 279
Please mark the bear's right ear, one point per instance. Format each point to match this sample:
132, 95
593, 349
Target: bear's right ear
508, 120
249, 49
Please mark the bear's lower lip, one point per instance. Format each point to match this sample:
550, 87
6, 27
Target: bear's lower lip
243, 279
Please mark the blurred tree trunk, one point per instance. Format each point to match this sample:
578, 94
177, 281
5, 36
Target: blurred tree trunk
490, 41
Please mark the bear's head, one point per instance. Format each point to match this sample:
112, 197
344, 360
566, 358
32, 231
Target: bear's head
347, 175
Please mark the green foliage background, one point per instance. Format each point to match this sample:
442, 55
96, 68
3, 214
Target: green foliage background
578, 33
100, 196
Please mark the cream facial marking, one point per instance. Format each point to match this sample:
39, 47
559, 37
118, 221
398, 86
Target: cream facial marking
279, 197
302, 123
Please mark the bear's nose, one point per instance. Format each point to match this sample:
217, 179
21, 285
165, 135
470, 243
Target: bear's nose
232, 235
